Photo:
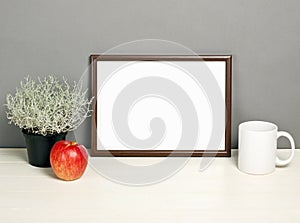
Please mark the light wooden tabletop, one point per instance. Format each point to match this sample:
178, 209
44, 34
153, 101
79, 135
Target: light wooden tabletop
220, 193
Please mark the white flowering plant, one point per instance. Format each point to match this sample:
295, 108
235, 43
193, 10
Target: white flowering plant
48, 106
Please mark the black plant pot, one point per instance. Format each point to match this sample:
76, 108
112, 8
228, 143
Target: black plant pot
39, 147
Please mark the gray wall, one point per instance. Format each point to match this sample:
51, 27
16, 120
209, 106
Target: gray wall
39, 37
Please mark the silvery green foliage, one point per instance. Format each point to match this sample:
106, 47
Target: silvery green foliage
48, 106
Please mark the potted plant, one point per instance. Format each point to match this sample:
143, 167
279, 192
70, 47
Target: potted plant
46, 110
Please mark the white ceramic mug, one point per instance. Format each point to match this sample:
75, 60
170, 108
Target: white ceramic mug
257, 147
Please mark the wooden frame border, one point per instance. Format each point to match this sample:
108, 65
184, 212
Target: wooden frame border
162, 153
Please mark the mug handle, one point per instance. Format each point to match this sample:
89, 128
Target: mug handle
280, 162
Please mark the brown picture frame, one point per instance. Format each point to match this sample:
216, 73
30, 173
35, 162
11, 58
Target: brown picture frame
223, 152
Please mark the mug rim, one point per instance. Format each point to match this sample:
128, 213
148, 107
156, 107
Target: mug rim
246, 126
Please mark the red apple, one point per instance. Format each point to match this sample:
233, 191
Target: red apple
68, 160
